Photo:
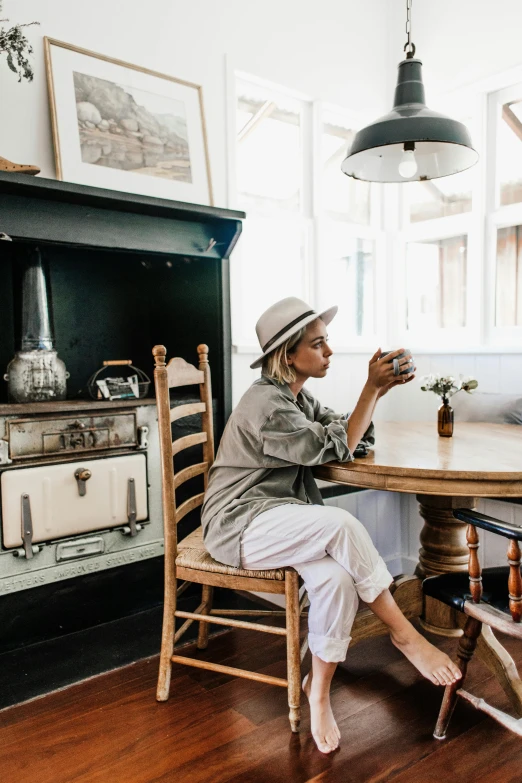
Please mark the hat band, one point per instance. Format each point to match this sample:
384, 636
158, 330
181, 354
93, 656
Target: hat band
272, 340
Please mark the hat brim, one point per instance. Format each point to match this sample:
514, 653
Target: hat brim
326, 316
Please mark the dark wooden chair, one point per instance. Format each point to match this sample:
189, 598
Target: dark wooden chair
491, 597
186, 559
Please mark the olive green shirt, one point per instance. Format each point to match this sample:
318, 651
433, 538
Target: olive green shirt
265, 458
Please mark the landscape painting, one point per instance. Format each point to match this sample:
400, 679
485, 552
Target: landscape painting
131, 129
124, 127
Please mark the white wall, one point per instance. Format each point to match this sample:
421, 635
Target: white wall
459, 42
315, 49
341, 388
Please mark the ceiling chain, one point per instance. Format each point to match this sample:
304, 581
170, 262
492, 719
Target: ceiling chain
409, 47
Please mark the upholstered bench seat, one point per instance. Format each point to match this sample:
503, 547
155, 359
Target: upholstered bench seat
453, 589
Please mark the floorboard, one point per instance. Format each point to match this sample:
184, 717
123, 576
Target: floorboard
217, 730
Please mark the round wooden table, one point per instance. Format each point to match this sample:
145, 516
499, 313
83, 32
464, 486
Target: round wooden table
480, 460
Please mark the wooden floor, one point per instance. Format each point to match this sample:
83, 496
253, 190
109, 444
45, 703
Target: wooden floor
110, 729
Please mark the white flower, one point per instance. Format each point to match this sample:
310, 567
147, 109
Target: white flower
446, 386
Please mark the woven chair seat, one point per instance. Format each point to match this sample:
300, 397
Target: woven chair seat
192, 554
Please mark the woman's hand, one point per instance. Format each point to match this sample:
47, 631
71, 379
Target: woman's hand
397, 382
380, 371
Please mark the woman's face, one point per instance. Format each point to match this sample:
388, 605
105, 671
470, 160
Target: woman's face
311, 356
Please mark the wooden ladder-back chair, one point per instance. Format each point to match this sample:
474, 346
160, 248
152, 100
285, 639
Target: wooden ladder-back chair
188, 561
491, 599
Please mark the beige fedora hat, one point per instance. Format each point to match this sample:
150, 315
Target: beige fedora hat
284, 319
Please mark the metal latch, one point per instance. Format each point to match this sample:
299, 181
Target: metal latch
29, 549
143, 433
82, 475
132, 528
4, 452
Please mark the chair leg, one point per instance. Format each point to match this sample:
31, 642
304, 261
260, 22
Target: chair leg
467, 645
206, 600
293, 657
167, 639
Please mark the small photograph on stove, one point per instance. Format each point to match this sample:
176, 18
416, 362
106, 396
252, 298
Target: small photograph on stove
119, 388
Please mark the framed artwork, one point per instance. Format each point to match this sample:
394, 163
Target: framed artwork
123, 127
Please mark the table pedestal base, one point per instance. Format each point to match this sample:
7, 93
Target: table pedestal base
443, 538
443, 550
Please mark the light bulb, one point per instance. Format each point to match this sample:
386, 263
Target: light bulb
408, 165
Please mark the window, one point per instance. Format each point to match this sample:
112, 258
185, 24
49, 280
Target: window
347, 233
440, 283
349, 263
309, 230
271, 159
438, 198
508, 283
504, 218
344, 198
509, 152
269, 150
436, 273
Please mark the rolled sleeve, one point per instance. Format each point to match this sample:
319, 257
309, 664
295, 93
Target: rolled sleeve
288, 435
326, 416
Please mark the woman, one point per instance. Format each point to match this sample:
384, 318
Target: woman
263, 510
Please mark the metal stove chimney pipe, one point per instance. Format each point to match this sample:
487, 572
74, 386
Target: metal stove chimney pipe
37, 332
36, 374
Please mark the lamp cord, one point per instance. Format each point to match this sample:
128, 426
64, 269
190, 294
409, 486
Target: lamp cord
409, 47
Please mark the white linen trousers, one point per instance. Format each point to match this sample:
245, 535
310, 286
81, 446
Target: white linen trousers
336, 559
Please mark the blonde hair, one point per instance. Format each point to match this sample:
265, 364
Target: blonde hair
276, 366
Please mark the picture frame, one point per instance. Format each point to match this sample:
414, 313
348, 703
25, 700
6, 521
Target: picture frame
124, 127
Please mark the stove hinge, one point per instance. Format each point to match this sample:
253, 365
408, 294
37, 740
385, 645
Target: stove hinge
29, 549
133, 528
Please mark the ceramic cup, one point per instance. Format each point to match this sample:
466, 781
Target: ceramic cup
406, 352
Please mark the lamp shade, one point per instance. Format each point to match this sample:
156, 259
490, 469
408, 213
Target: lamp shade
440, 145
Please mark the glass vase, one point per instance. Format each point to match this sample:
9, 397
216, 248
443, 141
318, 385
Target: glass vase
445, 419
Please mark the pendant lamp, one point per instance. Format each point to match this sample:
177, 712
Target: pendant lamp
411, 143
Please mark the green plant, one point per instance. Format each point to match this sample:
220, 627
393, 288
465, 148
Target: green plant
17, 49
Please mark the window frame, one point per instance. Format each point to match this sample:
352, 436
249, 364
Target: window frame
391, 229
469, 224
313, 219
498, 216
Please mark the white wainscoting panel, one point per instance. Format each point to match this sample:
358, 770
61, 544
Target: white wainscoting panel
380, 513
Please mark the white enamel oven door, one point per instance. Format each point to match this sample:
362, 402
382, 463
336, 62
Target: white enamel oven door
57, 507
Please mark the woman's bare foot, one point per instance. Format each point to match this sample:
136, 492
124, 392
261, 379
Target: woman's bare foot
324, 728
431, 662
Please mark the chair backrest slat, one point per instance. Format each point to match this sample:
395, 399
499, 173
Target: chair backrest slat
181, 373
177, 373
189, 505
187, 410
188, 473
189, 440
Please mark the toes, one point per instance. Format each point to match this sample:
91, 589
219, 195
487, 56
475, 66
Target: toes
323, 745
450, 675
332, 740
442, 676
453, 673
